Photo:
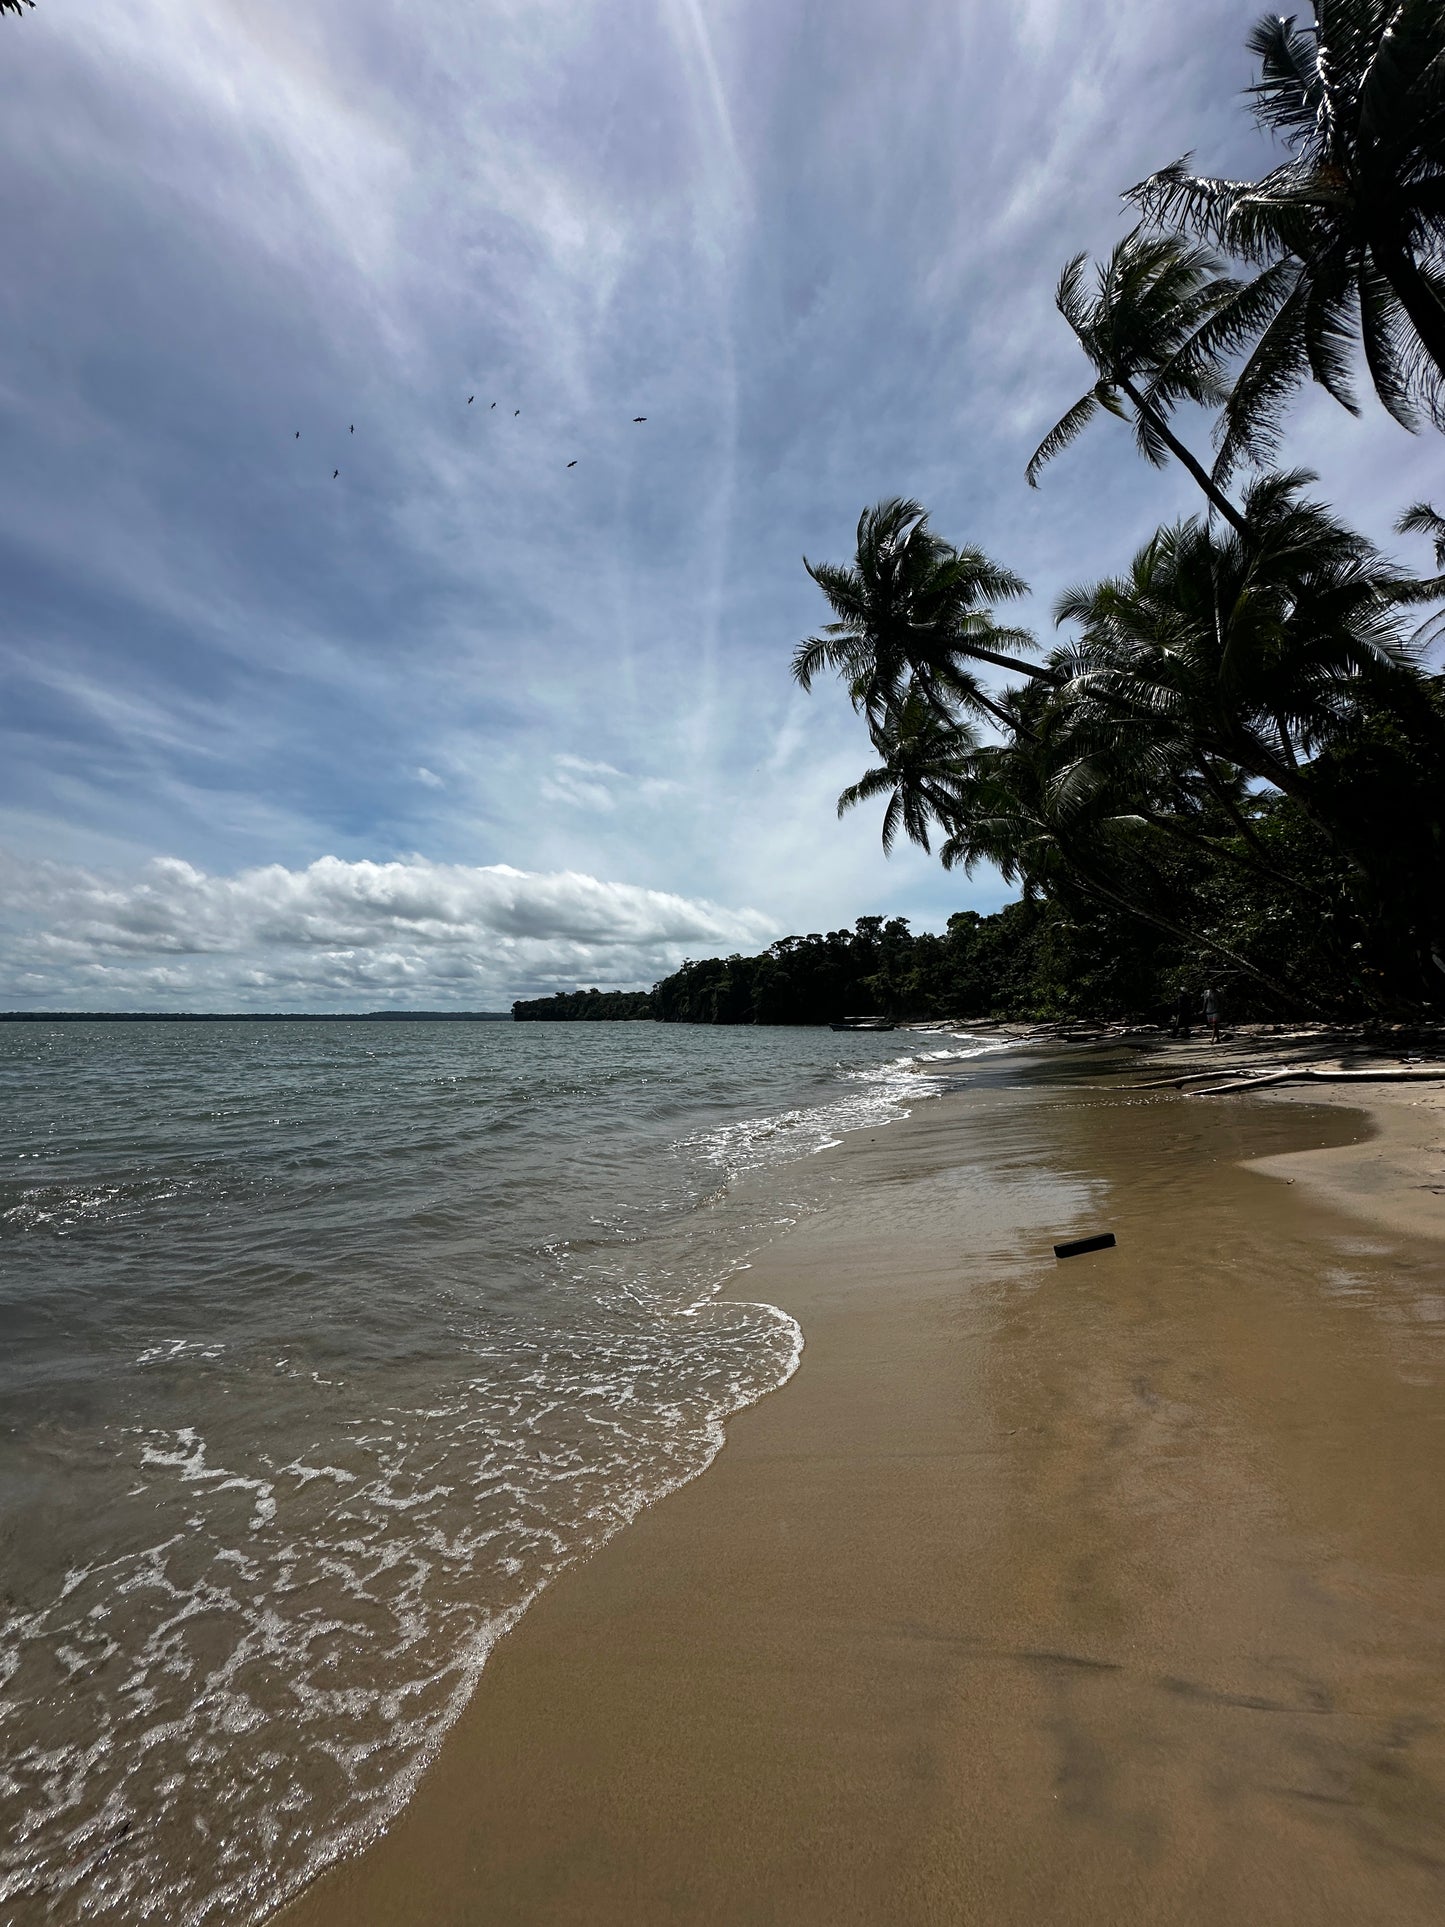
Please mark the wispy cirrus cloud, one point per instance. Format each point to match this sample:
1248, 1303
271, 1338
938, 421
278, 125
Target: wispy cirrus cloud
588, 785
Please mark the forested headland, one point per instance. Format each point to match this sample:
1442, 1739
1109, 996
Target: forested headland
1026, 961
597, 1006
1230, 765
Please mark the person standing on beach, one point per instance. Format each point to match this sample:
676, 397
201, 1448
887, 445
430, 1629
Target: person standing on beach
1211, 1013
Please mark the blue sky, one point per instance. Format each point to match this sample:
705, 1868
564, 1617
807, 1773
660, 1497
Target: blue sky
464, 723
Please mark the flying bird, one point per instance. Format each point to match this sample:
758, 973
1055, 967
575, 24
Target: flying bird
298, 434
571, 465
470, 400
515, 413
494, 404
353, 428
334, 473
639, 418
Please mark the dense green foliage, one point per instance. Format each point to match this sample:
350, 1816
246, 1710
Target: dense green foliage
1020, 962
1023, 961
1034, 959
1233, 768
605, 1006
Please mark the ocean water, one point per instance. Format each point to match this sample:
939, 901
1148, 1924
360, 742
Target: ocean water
323, 1348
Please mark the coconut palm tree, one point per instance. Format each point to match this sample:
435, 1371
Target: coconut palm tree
1252, 648
15, 6
915, 613
1349, 229
1050, 822
1287, 656
923, 772
1157, 328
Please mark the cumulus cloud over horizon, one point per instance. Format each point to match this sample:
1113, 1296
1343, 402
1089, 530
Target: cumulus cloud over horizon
409, 931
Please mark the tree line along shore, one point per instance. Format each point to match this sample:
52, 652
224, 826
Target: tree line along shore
1023, 964
1019, 963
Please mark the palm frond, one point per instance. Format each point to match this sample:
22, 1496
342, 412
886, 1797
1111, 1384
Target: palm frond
1421, 518
1329, 335
809, 659
873, 782
1065, 430
1250, 425
1289, 96
1387, 356
1175, 200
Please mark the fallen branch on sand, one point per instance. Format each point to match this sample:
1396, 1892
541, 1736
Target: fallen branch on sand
1301, 1073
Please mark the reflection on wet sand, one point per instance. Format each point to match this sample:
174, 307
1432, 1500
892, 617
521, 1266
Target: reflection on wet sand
1101, 1591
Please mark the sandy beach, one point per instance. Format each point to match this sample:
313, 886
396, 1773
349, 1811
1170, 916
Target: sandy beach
1101, 1591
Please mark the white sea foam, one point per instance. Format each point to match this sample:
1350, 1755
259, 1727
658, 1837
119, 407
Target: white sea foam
877, 1094
309, 1538
284, 1689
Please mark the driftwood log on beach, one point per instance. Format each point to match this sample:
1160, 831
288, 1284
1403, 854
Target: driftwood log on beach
1302, 1073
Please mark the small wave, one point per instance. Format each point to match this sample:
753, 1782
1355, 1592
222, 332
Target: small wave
272, 1669
173, 1350
876, 1095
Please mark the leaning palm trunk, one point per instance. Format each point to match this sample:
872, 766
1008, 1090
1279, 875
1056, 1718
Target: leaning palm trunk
1213, 492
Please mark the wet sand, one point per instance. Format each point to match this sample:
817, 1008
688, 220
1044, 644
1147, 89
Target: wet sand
1103, 1591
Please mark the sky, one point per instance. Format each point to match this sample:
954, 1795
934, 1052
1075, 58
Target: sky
462, 722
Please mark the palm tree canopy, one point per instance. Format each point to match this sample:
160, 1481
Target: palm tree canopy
1150, 300
1350, 228
912, 612
1158, 327
924, 770
1250, 648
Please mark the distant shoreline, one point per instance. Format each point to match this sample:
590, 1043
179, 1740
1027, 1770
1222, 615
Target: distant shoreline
255, 1017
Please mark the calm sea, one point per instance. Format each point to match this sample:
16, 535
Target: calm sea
323, 1348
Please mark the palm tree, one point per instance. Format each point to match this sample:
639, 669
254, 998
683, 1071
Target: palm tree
1350, 229
1253, 648
923, 773
14, 6
1048, 821
1157, 328
913, 613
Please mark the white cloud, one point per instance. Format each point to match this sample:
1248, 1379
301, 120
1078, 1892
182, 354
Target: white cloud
429, 777
411, 931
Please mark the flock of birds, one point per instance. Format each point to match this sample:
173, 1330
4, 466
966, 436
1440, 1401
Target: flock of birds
637, 421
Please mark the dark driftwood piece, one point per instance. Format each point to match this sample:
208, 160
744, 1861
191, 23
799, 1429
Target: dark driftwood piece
1075, 1247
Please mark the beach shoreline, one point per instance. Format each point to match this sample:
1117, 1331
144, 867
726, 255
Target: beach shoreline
1097, 1592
